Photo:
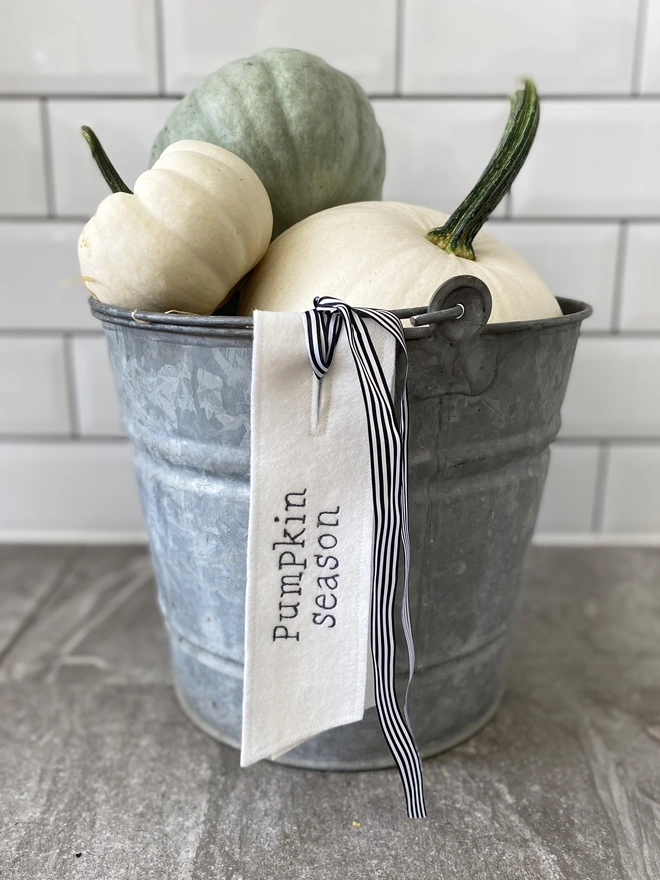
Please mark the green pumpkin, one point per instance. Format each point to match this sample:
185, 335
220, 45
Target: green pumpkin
306, 129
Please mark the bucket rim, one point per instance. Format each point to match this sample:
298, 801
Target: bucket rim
573, 312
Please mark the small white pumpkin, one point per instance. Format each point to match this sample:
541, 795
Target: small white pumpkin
197, 222
391, 255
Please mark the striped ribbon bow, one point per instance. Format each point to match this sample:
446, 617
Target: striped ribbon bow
388, 443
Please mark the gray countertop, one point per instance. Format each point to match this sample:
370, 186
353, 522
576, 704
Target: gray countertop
102, 777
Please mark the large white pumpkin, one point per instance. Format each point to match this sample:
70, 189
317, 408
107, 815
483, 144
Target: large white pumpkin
196, 223
391, 256
377, 254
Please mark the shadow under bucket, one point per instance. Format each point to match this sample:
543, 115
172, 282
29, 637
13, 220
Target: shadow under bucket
484, 407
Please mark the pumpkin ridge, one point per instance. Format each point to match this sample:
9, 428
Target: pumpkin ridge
126, 283
102, 234
288, 132
202, 157
186, 243
358, 156
193, 100
241, 225
247, 117
272, 181
282, 213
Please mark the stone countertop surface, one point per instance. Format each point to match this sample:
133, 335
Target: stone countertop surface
102, 777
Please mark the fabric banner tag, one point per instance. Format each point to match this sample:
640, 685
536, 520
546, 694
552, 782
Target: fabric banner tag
310, 542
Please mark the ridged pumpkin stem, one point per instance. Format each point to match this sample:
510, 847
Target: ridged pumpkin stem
107, 169
457, 234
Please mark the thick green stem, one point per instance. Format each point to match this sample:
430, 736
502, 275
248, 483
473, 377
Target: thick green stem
457, 234
107, 169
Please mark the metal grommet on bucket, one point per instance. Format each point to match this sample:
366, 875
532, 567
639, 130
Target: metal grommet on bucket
466, 299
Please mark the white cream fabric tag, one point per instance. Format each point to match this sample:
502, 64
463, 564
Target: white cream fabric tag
310, 542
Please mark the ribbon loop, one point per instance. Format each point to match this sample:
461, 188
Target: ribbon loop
388, 443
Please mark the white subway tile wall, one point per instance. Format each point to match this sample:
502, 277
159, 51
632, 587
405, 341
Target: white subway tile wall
33, 386
97, 405
127, 130
22, 161
614, 388
650, 60
68, 488
40, 284
568, 504
640, 307
424, 138
479, 46
633, 489
576, 260
78, 47
585, 211
593, 158
359, 38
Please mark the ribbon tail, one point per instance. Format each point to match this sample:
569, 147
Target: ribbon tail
389, 465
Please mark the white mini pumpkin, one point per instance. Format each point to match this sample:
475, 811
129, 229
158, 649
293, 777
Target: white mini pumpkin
197, 222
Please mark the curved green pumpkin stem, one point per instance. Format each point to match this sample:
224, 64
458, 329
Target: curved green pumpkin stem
457, 234
105, 166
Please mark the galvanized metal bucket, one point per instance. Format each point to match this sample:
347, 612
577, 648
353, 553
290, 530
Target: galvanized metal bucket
484, 406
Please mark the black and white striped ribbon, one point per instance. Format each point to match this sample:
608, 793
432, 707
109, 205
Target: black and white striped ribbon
388, 444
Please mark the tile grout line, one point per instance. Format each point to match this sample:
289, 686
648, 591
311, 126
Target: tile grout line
398, 47
624, 97
49, 167
69, 561
601, 487
619, 272
161, 61
638, 49
60, 439
70, 373
92, 96
517, 219
42, 218
616, 97
579, 219
45, 333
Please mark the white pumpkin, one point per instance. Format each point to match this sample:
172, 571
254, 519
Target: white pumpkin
197, 222
390, 255
377, 254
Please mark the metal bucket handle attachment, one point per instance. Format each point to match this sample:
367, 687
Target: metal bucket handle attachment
462, 304
458, 355
473, 296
